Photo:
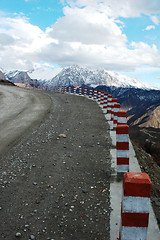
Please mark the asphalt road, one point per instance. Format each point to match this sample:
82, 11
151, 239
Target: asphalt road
53, 186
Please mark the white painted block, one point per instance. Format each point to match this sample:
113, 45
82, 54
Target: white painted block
122, 120
134, 233
122, 168
123, 153
135, 204
122, 137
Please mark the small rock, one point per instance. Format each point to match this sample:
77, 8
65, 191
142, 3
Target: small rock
32, 237
84, 190
34, 183
62, 135
18, 234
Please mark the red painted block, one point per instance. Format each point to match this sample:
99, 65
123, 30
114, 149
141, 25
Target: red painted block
137, 184
122, 145
135, 219
122, 161
122, 129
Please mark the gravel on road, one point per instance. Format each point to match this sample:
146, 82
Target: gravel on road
55, 180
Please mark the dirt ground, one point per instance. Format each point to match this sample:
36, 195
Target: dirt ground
54, 182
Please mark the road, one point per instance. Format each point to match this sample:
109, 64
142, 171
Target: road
54, 167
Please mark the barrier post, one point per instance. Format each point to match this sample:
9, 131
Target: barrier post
58, 88
99, 96
135, 206
80, 91
122, 117
109, 104
65, 89
85, 91
116, 109
74, 90
69, 89
62, 89
114, 100
95, 94
90, 92
122, 147
102, 99
105, 103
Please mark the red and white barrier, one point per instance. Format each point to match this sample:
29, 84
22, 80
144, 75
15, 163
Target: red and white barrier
58, 88
69, 89
95, 94
99, 96
109, 104
47, 88
80, 91
102, 99
116, 109
65, 89
114, 100
74, 89
105, 103
122, 146
135, 206
122, 117
55, 88
90, 92
85, 91
62, 89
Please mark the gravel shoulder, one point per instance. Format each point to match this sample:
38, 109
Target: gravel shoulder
57, 186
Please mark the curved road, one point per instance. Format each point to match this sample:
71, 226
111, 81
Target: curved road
53, 186
19, 110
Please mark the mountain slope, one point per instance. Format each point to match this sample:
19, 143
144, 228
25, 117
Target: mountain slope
142, 106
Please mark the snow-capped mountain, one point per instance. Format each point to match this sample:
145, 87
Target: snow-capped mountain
18, 77
75, 75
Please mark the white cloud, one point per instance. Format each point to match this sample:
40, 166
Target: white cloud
155, 20
91, 36
149, 27
88, 27
117, 8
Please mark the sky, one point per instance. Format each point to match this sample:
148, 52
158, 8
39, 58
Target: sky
118, 35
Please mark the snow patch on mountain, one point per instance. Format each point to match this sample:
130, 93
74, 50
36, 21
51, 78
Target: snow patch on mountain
129, 81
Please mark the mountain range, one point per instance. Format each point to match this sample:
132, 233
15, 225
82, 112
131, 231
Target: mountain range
74, 75
140, 100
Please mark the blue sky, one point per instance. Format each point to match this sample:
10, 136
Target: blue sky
108, 34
